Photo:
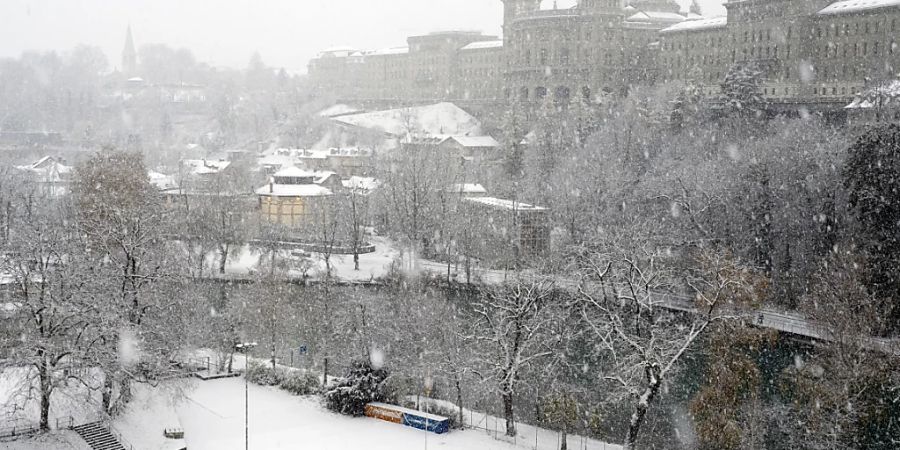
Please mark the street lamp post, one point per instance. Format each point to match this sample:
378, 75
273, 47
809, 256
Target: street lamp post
245, 347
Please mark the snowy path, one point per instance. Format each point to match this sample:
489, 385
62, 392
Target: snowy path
787, 322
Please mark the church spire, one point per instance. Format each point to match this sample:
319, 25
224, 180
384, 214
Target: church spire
129, 55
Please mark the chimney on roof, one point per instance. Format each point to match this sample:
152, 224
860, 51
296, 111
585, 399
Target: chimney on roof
271, 185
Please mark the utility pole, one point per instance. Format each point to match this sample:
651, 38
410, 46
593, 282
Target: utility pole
245, 348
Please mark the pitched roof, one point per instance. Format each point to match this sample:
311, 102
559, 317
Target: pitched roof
483, 45
500, 203
655, 16
475, 141
429, 120
852, 6
696, 25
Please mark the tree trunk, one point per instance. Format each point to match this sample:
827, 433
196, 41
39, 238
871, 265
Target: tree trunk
325, 373
44, 373
355, 258
273, 343
107, 392
459, 403
640, 412
564, 444
508, 414
8, 221
223, 259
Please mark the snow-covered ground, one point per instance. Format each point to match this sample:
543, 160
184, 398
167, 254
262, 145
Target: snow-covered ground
213, 418
211, 413
245, 262
151, 411
20, 403
57, 440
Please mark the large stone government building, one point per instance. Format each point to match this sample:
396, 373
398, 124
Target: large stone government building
815, 53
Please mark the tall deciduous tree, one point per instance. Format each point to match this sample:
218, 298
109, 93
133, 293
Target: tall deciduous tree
122, 217
511, 325
63, 327
626, 301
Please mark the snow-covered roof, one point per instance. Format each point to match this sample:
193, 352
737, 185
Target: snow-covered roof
276, 160
547, 5
430, 120
361, 183
337, 52
389, 51
338, 110
696, 25
469, 188
852, 6
294, 190
47, 164
500, 203
311, 154
483, 45
655, 16
161, 181
475, 141
47, 170
886, 95
205, 167
294, 172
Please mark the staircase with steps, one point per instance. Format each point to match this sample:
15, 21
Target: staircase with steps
98, 436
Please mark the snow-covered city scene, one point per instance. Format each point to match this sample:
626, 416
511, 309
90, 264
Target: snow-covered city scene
450, 224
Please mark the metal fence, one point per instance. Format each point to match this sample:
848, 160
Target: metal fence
16, 430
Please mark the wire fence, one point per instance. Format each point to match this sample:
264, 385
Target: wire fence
526, 436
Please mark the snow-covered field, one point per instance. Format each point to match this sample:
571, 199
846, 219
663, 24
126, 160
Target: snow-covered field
245, 261
212, 416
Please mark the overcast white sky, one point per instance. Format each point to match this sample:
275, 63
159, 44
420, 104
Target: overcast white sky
226, 32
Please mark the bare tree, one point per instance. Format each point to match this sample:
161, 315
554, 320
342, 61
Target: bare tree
356, 208
63, 328
625, 301
413, 180
122, 216
511, 321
